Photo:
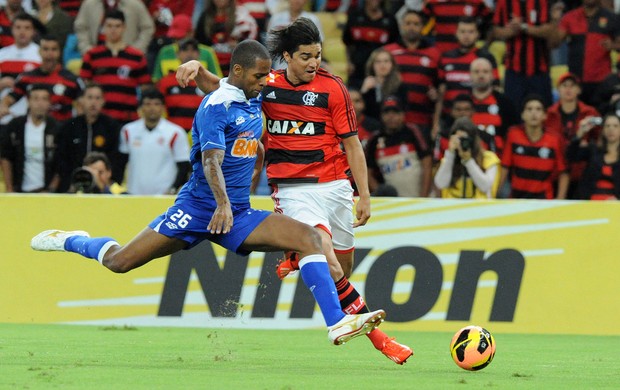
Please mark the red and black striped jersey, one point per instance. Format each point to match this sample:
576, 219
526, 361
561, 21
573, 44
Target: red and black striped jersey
334, 5
15, 60
447, 13
525, 54
258, 10
454, 73
534, 165
604, 187
119, 76
6, 37
63, 84
70, 6
362, 35
419, 72
587, 57
181, 102
306, 124
488, 118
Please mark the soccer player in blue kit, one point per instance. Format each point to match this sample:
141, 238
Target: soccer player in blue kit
214, 204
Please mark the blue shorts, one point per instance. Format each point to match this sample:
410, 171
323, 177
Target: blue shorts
188, 219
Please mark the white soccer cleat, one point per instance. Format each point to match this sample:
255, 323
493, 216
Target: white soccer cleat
354, 325
54, 240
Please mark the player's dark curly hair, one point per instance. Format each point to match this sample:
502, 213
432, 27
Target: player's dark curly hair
288, 39
247, 52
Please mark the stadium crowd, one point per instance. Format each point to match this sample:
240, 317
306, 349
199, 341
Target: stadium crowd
89, 99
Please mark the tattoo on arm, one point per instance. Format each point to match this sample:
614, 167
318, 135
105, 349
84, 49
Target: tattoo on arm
212, 167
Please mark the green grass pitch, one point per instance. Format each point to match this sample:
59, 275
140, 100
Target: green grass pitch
89, 357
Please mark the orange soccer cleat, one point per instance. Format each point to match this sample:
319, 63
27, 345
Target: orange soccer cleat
396, 352
289, 265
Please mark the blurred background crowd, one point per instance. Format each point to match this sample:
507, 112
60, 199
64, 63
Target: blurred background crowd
454, 98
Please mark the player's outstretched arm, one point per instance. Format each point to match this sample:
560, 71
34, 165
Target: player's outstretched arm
357, 162
222, 219
194, 71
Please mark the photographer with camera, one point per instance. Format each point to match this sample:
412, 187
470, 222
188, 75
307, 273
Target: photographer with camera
95, 176
467, 170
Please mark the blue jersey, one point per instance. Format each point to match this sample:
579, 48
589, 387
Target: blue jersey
226, 120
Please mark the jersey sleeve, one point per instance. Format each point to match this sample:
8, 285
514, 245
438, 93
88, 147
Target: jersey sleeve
342, 112
507, 152
565, 23
86, 71
560, 150
141, 72
212, 120
499, 16
19, 89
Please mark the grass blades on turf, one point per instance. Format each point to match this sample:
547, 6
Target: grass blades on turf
88, 357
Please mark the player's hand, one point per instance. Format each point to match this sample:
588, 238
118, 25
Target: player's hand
187, 72
221, 221
362, 211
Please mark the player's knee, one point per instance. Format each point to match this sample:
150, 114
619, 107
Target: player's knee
117, 263
312, 241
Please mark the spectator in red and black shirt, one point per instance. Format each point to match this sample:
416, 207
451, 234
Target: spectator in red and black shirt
71, 7
534, 158
63, 84
494, 113
367, 29
592, 33
444, 16
525, 26
454, 73
563, 118
119, 68
601, 180
182, 102
7, 13
418, 63
399, 155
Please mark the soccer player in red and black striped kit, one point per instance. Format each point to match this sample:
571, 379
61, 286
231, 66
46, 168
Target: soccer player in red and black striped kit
119, 68
525, 26
309, 114
63, 84
534, 158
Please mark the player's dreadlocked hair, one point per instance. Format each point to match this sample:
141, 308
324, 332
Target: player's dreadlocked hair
288, 39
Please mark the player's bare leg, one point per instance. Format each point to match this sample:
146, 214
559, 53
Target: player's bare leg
146, 246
